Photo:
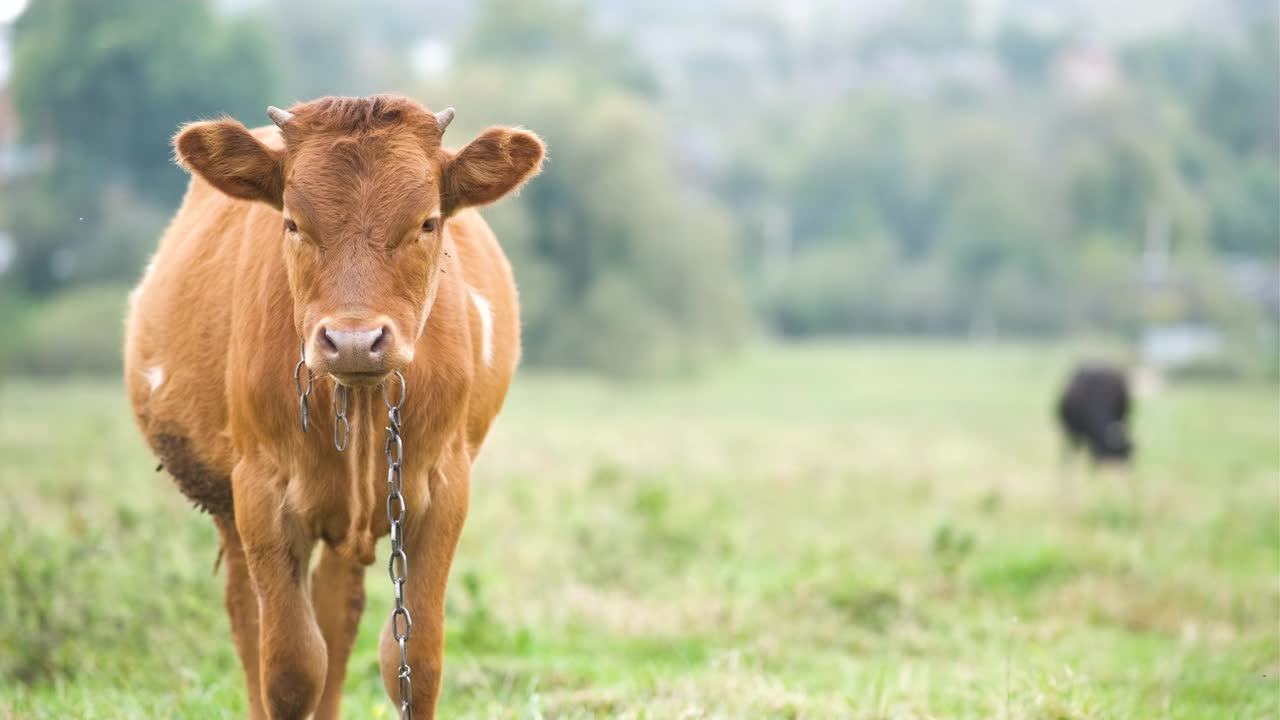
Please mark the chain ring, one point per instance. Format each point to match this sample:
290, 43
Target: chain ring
303, 395
398, 562
341, 427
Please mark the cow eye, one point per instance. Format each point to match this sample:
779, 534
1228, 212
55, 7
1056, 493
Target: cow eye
429, 225
290, 226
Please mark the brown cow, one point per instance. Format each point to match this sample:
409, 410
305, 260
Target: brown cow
346, 230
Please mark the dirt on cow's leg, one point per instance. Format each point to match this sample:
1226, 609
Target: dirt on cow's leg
337, 594
431, 536
242, 609
291, 651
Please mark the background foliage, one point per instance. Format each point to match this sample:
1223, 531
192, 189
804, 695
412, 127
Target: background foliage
719, 170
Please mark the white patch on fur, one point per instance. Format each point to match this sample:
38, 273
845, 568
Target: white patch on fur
486, 324
155, 376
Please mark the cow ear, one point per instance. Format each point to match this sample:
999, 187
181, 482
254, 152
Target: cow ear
231, 159
498, 161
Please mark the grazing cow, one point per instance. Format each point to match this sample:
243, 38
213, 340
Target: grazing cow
1094, 410
348, 230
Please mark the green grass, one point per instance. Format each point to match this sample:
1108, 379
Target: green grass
870, 531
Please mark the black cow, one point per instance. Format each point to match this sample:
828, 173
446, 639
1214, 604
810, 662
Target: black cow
1094, 410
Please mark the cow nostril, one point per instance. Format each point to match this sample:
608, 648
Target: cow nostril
380, 343
326, 342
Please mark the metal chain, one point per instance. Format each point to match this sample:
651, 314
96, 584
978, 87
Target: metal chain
341, 428
398, 565
393, 449
297, 383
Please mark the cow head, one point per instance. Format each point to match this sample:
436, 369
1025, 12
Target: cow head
363, 187
1114, 443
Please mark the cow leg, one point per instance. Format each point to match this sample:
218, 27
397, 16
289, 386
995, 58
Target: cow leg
242, 609
1066, 466
1069, 447
291, 651
337, 594
431, 536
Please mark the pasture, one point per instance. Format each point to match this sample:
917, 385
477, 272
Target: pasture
857, 531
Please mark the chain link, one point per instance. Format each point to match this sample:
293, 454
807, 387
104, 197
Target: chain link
303, 395
393, 450
341, 428
398, 563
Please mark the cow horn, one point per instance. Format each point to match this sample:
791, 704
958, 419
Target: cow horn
278, 116
443, 118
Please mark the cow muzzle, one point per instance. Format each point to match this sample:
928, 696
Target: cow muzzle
355, 353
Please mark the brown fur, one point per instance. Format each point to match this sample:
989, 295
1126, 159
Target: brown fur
214, 332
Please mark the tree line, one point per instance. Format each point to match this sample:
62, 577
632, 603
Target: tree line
757, 176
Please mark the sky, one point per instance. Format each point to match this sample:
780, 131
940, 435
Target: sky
10, 9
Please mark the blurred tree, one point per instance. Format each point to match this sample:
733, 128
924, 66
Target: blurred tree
105, 85
621, 267
925, 26
1231, 149
836, 289
1028, 52
557, 33
1238, 100
1246, 213
857, 169
334, 47
850, 171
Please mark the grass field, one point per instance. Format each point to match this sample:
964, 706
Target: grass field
874, 531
